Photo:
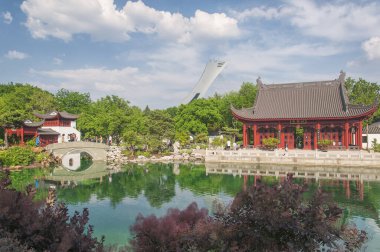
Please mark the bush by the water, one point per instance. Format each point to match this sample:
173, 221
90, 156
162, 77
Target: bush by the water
27, 225
262, 218
324, 143
17, 156
271, 143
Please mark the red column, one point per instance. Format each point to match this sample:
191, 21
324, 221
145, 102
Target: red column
346, 128
22, 136
257, 137
244, 135
254, 131
247, 136
280, 137
356, 136
317, 128
360, 135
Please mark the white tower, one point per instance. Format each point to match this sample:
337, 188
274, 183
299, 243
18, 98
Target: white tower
212, 70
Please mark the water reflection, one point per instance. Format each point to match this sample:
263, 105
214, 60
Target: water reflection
153, 188
77, 160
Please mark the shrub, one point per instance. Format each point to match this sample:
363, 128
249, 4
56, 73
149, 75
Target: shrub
17, 156
270, 143
40, 227
201, 138
218, 141
265, 218
171, 232
1, 142
324, 143
143, 153
31, 142
42, 156
262, 218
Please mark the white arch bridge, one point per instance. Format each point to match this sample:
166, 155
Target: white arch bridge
97, 151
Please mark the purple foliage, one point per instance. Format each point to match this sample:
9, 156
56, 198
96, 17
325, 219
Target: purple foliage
262, 218
41, 227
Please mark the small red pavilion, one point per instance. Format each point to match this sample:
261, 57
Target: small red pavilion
30, 129
321, 108
55, 127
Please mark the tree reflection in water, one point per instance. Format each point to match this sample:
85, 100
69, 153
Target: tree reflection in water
153, 188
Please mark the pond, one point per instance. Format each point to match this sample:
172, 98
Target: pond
116, 198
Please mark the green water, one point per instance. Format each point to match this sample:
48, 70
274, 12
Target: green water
115, 199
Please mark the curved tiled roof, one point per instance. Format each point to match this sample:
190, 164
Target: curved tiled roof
33, 124
307, 100
55, 114
47, 132
373, 129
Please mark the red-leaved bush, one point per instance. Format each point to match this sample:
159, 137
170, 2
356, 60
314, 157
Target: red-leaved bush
173, 232
37, 226
262, 218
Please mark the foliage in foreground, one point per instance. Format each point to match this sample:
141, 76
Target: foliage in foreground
262, 218
36, 226
17, 156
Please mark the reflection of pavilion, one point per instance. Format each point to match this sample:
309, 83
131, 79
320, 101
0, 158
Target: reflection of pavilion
334, 174
315, 172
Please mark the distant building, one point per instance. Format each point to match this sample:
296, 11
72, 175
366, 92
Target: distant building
321, 108
56, 127
373, 134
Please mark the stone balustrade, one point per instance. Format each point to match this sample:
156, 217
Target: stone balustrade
303, 157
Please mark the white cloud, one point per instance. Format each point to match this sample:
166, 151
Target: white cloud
57, 61
372, 48
248, 58
334, 20
103, 21
260, 12
7, 17
16, 55
141, 88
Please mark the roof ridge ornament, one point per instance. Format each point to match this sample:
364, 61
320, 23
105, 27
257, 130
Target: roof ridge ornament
342, 76
259, 82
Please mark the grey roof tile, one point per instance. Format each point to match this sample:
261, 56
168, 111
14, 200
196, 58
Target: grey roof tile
54, 114
307, 100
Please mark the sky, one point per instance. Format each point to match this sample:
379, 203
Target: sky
153, 52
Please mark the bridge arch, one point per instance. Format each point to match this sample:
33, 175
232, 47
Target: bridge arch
97, 151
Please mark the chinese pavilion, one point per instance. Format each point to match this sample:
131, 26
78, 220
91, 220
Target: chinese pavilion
62, 122
56, 127
321, 108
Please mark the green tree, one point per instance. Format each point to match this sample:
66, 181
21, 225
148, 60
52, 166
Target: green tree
363, 92
18, 102
108, 116
199, 116
72, 102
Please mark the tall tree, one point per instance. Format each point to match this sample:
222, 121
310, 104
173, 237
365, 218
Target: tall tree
363, 92
106, 117
18, 102
72, 102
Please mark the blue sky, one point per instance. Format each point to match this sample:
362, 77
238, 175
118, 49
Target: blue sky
153, 52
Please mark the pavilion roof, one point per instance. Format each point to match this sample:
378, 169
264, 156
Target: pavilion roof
373, 128
55, 114
29, 123
305, 100
47, 131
